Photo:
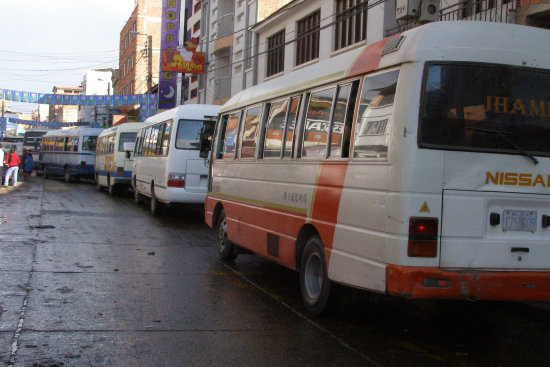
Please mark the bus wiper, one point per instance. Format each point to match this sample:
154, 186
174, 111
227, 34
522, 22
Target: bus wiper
504, 136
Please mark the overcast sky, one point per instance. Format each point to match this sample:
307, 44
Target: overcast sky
54, 42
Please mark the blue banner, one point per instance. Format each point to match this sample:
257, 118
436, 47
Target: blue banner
148, 102
47, 124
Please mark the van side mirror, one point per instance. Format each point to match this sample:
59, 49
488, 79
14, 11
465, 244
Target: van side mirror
207, 132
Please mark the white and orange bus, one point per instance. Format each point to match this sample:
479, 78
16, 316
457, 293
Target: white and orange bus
417, 166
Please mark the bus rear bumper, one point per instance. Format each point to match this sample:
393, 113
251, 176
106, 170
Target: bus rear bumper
434, 283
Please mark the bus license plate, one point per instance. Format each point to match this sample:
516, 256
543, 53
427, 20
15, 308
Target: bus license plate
519, 220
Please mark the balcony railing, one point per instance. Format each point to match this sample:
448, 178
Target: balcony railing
225, 25
500, 11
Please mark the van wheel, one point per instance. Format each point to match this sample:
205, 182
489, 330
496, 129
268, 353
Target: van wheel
99, 188
155, 205
45, 173
67, 175
314, 282
226, 250
110, 188
137, 197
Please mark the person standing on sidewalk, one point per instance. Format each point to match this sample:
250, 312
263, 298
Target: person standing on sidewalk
1, 162
12, 161
28, 165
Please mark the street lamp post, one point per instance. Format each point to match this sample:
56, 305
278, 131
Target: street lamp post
149, 59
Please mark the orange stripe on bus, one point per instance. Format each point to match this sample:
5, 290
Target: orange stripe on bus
326, 199
370, 58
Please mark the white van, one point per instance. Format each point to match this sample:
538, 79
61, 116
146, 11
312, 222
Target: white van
114, 156
167, 167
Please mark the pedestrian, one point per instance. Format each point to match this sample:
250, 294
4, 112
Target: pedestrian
12, 162
1, 162
27, 165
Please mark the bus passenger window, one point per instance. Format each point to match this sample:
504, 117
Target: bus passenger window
375, 111
317, 123
275, 128
166, 138
338, 121
75, 145
250, 132
230, 136
290, 125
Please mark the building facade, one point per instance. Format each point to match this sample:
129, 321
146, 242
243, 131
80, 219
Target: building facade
97, 82
140, 49
64, 113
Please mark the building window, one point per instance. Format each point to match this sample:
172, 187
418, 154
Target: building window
194, 93
276, 53
351, 22
194, 78
197, 26
197, 7
307, 42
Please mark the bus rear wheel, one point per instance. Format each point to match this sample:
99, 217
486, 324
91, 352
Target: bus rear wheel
155, 205
314, 283
67, 175
226, 249
110, 187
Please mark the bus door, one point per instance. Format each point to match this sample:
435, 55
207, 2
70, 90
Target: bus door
188, 142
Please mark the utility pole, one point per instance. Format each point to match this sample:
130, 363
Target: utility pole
149, 64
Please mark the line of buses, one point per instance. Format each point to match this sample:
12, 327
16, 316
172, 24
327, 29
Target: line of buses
407, 167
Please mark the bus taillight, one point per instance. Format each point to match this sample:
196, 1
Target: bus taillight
422, 237
120, 171
176, 180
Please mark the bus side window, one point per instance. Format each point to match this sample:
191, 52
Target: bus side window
166, 138
249, 140
342, 120
317, 123
274, 129
290, 126
75, 144
229, 135
375, 111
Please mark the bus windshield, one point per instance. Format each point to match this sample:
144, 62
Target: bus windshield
188, 134
485, 108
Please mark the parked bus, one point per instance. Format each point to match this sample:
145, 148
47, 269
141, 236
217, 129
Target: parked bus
69, 153
417, 166
13, 141
167, 167
31, 141
114, 157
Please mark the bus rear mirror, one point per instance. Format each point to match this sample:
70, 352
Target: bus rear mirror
207, 132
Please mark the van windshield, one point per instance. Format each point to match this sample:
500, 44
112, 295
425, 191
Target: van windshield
486, 108
188, 134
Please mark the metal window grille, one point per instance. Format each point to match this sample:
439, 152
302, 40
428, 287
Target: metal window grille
351, 22
307, 42
276, 53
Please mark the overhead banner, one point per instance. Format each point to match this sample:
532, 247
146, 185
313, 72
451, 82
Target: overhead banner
170, 26
47, 124
147, 102
184, 61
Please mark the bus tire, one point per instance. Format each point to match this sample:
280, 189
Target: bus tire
314, 283
110, 188
45, 173
155, 205
67, 174
226, 250
99, 187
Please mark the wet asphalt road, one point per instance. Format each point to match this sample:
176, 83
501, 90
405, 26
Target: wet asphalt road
92, 280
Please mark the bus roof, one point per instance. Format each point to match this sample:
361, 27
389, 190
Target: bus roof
188, 111
127, 126
80, 131
485, 42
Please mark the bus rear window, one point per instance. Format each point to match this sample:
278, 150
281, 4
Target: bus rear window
126, 138
188, 134
485, 108
88, 143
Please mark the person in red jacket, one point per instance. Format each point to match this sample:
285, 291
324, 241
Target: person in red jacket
12, 163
